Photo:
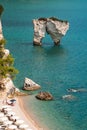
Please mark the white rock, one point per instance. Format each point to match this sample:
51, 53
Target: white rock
30, 84
1, 34
6, 53
54, 27
39, 31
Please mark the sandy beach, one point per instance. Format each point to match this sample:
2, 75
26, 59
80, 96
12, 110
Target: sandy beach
20, 111
28, 119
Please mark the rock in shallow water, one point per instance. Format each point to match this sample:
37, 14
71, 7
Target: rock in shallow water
30, 85
54, 27
44, 96
68, 97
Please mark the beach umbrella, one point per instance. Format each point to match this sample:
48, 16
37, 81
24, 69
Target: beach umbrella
1, 115
8, 109
14, 117
13, 100
29, 129
18, 122
6, 106
10, 113
12, 127
8, 122
3, 118
23, 126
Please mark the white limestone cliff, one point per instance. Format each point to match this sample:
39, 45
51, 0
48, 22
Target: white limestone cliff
1, 34
6, 53
54, 27
5, 83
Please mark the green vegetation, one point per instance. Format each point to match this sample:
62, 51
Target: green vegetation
6, 64
2, 42
6, 61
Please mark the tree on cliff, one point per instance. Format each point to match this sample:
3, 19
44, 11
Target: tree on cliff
6, 59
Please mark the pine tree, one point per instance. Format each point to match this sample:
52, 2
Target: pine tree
6, 61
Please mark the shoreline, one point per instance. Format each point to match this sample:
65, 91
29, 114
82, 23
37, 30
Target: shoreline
21, 112
29, 119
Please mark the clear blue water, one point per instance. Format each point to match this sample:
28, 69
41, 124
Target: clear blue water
55, 68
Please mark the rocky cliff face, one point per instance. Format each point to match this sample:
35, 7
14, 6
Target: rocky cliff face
54, 27
5, 51
1, 34
5, 83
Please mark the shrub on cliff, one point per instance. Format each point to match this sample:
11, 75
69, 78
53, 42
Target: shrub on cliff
6, 64
6, 59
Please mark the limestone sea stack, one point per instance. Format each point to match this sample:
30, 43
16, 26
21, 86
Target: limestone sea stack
30, 85
56, 28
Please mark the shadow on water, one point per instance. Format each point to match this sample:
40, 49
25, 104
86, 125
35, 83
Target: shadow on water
51, 50
47, 48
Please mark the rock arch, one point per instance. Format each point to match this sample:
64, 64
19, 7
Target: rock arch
56, 28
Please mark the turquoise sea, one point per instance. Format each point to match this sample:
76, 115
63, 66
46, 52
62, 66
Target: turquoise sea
55, 68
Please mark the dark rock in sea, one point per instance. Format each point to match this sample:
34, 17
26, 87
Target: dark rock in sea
44, 96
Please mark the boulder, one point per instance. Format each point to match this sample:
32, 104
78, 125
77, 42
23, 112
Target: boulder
68, 97
44, 96
6, 53
6, 84
30, 85
56, 28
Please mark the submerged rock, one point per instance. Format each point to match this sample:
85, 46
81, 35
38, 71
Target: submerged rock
44, 96
68, 97
56, 28
30, 85
77, 90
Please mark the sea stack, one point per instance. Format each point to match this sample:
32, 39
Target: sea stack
56, 28
30, 85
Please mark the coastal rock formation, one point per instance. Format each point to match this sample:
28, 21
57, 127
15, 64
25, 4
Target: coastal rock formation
6, 63
30, 85
56, 28
39, 30
6, 52
1, 34
44, 96
77, 90
13, 91
68, 97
